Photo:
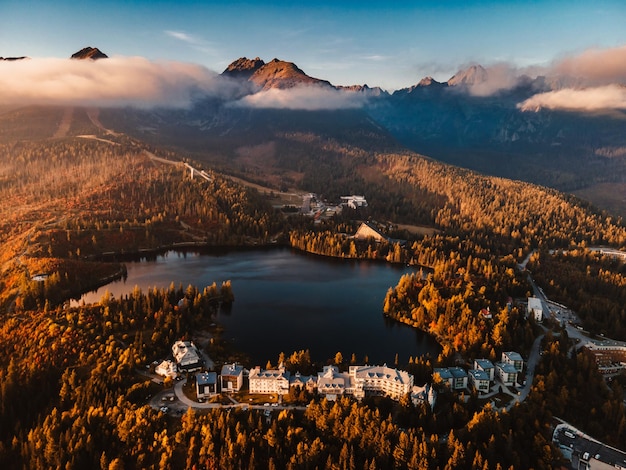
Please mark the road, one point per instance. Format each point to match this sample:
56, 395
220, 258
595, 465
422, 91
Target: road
177, 402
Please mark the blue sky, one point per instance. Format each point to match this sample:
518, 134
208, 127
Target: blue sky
388, 44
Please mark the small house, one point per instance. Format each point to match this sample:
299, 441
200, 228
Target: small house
479, 380
506, 373
206, 384
231, 377
513, 358
486, 366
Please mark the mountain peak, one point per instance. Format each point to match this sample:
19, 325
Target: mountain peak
473, 75
273, 74
429, 81
243, 67
281, 74
89, 53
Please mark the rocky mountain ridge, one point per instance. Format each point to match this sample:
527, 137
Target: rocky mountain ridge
92, 53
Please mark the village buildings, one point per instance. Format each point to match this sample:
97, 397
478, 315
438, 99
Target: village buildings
484, 373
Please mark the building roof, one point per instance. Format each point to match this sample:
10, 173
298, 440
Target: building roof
443, 372
185, 353
382, 372
506, 367
301, 380
484, 363
269, 374
231, 369
457, 372
331, 379
513, 356
206, 378
479, 374
534, 303
605, 344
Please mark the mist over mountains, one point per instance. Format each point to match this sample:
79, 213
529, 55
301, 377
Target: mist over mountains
561, 125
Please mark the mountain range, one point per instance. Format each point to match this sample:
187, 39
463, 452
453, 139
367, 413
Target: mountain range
466, 121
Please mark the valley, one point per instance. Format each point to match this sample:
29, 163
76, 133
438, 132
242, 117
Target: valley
86, 189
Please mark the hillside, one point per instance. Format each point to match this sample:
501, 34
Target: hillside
75, 187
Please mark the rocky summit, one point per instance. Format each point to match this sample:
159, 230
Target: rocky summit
90, 53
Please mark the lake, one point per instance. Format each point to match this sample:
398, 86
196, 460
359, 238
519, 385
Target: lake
286, 301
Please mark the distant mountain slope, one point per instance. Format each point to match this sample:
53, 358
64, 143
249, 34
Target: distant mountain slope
489, 133
460, 121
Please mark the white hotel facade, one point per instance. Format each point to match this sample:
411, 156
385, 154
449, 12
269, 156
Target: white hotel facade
358, 381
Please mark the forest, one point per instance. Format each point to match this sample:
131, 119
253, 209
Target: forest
70, 393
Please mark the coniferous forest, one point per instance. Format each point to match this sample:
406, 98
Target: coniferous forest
71, 392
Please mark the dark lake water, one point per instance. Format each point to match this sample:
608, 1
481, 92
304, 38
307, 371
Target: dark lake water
286, 301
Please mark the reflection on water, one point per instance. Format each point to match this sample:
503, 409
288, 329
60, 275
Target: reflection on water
287, 301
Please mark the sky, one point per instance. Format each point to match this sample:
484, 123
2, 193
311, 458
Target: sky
391, 44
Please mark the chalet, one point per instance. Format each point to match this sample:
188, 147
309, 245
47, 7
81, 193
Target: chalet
513, 358
535, 309
506, 373
486, 366
479, 379
187, 356
206, 384
231, 377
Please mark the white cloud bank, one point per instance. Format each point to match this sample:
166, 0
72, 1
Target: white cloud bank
305, 97
600, 75
117, 81
590, 81
586, 99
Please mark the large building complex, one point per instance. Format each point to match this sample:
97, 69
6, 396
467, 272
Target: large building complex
358, 381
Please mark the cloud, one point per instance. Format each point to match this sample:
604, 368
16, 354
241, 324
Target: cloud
182, 36
117, 81
594, 66
499, 77
587, 99
311, 98
196, 43
590, 81
590, 68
